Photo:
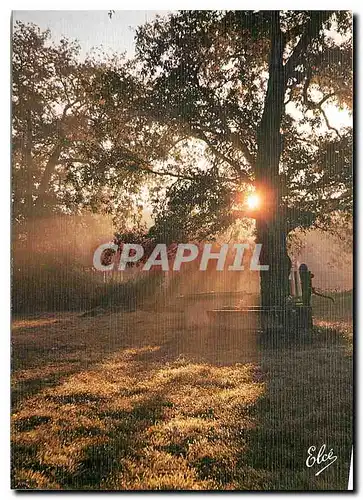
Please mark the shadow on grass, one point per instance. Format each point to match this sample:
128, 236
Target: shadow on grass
98, 460
174, 425
308, 402
155, 406
48, 348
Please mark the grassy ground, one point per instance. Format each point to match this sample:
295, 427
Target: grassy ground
144, 400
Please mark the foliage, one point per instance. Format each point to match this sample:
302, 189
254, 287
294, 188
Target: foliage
67, 138
183, 120
208, 73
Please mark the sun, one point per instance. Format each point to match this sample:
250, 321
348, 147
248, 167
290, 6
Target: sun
253, 201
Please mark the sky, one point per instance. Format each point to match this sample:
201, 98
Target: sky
92, 28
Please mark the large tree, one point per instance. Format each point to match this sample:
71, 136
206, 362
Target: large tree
254, 86
74, 143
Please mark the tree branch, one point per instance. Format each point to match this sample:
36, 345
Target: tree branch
330, 127
144, 166
48, 171
318, 105
233, 137
67, 107
241, 174
314, 25
167, 174
239, 144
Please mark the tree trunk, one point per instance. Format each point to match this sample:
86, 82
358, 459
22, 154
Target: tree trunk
274, 283
42, 191
271, 231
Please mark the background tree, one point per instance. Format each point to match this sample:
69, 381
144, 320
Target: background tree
81, 140
47, 105
65, 156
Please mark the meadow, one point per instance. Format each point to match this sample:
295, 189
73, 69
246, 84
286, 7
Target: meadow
144, 400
